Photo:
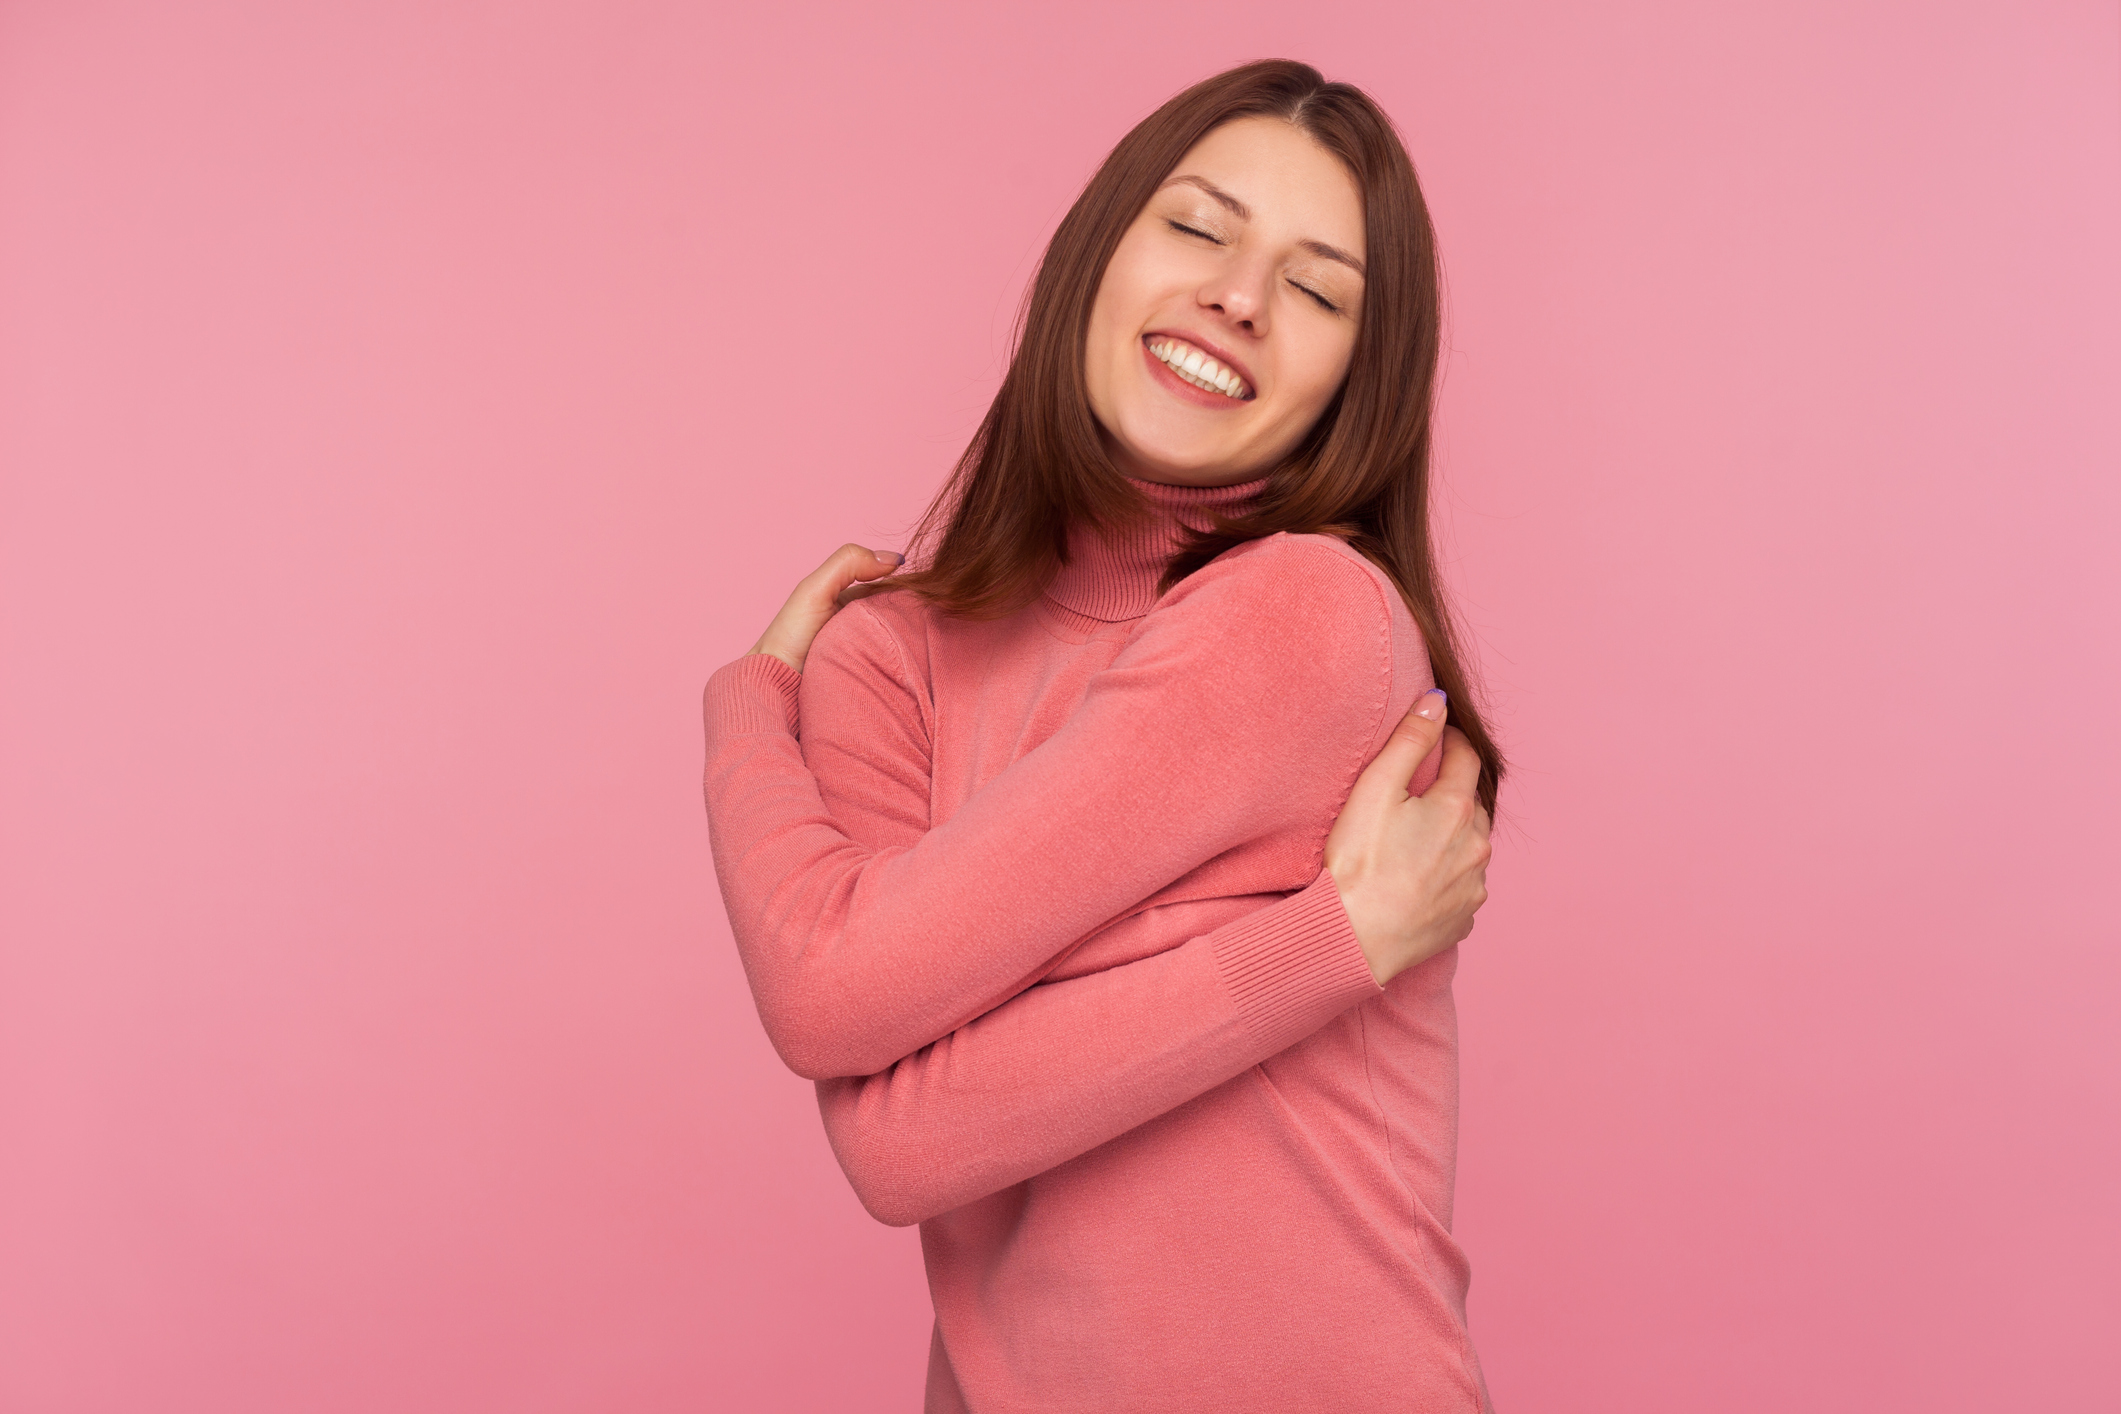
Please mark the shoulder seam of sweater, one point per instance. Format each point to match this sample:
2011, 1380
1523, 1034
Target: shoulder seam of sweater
1373, 575
1368, 747
1366, 573
901, 671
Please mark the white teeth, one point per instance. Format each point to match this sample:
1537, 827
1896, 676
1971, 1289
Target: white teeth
1198, 369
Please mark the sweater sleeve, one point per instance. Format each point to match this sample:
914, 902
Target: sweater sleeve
1260, 675
1066, 1066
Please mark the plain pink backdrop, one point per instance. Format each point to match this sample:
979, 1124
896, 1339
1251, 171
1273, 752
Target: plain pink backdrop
404, 406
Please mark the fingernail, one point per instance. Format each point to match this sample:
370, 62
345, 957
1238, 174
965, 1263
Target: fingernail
891, 557
1430, 707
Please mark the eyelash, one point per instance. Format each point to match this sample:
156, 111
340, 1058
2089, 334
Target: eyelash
1323, 303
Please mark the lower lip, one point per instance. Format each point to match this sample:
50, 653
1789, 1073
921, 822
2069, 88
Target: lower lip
1192, 393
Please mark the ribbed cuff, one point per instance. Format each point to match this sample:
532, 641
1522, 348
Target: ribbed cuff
1295, 965
756, 693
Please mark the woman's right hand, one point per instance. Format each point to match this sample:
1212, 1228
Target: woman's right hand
1412, 869
826, 590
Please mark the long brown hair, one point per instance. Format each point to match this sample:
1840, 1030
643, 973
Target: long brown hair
997, 532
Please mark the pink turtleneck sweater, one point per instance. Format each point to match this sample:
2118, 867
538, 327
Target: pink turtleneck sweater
1039, 904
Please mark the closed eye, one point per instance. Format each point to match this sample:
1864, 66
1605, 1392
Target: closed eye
1323, 303
1188, 230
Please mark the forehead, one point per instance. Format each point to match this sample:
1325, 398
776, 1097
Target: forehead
1293, 187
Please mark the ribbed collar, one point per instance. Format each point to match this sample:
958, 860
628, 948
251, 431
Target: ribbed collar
1113, 577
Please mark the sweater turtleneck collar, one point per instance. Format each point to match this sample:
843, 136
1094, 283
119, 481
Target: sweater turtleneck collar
1112, 576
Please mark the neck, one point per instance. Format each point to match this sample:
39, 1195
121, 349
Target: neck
1112, 575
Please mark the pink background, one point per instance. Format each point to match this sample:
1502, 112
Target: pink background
404, 406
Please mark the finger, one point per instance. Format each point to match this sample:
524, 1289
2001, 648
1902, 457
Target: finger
866, 564
850, 564
1392, 769
859, 591
1461, 765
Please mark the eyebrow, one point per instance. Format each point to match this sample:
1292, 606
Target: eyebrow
1244, 213
1235, 207
1329, 252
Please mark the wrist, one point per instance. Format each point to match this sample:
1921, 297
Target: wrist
1374, 940
793, 660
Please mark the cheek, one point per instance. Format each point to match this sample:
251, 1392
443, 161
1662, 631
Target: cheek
1117, 307
1109, 345
1325, 360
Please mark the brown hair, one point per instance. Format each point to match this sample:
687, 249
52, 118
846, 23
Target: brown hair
996, 533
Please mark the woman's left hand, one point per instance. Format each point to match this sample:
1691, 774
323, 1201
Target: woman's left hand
1412, 869
823, 593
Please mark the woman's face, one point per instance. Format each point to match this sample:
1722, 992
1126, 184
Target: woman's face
1226, 319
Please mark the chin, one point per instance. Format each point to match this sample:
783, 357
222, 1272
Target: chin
1180, 470
1178, 460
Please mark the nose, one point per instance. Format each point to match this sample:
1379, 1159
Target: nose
1238, 292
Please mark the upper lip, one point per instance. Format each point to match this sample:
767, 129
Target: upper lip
1209, 348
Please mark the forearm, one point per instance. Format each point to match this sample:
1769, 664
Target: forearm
1065, 1067
851, 963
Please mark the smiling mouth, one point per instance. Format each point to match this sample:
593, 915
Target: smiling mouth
1197, 368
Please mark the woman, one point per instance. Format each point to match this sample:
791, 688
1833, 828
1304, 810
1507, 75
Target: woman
1118, 971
